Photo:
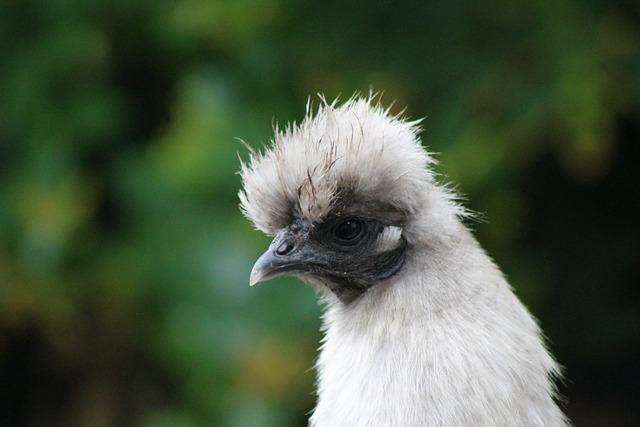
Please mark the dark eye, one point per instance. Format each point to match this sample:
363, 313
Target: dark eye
347, 232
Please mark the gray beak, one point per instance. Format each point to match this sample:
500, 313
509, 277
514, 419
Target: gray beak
287, 254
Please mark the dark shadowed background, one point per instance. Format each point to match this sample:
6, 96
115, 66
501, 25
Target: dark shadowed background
124, 260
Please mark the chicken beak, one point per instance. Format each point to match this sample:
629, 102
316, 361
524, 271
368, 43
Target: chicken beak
287, 254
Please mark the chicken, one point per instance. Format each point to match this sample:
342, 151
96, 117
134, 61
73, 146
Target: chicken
421, 327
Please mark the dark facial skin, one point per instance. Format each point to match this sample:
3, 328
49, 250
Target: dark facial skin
350, 266
340, 251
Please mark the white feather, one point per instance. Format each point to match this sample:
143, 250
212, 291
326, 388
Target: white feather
388, 239
446, 344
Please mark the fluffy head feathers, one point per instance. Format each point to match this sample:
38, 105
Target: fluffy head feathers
356, 151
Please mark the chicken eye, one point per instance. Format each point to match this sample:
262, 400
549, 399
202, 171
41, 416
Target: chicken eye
347, 232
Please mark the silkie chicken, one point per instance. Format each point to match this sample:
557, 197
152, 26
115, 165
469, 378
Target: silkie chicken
421, 327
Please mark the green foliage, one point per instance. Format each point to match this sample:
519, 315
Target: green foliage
124, 259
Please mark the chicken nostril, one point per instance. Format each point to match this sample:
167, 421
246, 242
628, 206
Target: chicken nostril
285, 248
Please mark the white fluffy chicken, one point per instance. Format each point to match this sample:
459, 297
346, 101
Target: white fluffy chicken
421, 327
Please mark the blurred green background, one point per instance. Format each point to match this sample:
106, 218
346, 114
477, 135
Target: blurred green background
124, 260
